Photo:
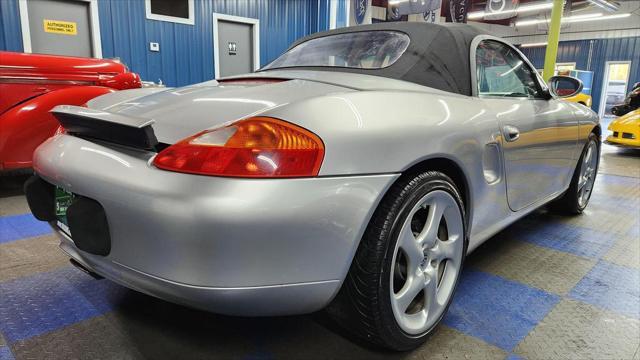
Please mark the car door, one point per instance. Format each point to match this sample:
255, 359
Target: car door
539, 133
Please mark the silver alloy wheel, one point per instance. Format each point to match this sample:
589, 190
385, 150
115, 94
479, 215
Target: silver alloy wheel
587, 177
426, 262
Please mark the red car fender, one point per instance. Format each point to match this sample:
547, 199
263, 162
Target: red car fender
122, 81
25, 126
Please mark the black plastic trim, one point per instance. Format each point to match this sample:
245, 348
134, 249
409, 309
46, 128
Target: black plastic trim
40, 197
92, 128
89, 227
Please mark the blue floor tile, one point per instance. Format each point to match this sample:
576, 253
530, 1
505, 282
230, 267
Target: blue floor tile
48, 301
498, 311
564, 237
611, 287
17, 227
514, 357
5, 353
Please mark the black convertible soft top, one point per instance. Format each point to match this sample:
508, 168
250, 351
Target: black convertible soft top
437, 56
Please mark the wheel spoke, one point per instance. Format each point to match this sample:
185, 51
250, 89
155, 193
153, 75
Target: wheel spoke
429, 234
587, 158
582, 183
431, 295
447, 249
589, 185
410, 290
410, 246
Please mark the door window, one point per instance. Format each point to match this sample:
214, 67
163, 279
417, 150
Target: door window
500, 71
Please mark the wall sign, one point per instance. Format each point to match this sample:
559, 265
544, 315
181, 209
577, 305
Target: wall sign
60, 27
456, 11
432, 15
360, 10
505, 9
233, 48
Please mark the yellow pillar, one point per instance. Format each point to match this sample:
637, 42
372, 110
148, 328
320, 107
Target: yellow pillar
552, 39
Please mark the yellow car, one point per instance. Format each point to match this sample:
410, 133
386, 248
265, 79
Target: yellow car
626, 130
581, 98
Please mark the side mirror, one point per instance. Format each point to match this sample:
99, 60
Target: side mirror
564, 86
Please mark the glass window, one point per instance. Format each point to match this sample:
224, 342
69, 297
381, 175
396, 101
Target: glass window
565, 68
362, 50
179, 11
500, 71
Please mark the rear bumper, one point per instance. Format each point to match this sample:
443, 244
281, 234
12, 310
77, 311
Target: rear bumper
284, 299
233, 246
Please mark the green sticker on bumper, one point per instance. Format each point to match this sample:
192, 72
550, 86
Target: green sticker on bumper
63, 201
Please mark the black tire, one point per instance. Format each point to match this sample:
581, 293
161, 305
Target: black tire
568, 203
363, 305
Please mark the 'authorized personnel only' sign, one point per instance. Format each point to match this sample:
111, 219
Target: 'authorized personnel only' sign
60, 27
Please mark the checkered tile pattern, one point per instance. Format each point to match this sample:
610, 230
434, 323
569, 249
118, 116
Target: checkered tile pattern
547, 287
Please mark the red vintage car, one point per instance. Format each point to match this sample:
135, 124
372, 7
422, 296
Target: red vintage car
32, 84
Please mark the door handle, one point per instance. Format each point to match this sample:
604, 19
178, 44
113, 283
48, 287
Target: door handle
511, 133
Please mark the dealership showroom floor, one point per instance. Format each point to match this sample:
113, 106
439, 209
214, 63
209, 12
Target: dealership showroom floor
546, 287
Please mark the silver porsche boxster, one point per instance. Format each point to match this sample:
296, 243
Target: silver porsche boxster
355, 171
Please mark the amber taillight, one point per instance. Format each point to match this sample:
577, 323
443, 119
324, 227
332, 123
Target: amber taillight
258, 147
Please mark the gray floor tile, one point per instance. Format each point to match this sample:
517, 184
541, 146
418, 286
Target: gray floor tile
550, 270
619, 161
95, 338
13, 205
445, 343
448, 343
598, 218
625, 252
574, 330
26, 257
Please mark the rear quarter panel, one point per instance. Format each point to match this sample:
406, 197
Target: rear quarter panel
373, 132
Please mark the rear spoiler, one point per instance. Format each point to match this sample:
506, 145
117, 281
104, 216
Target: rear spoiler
101, 125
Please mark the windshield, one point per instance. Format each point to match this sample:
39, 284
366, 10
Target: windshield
360, 50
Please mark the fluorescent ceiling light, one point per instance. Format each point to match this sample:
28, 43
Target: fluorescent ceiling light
564, 19
606, 5
520, 9
608, 17
538, 44
574, 19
